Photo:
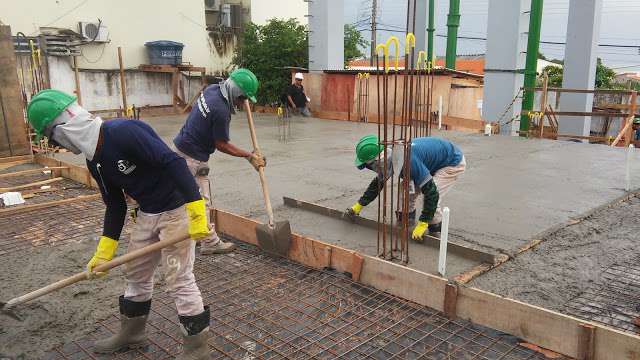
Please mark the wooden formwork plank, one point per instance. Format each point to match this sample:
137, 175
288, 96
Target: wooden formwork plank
422, 288
20, 209
74, 172
32, 171
19, 158
30, 185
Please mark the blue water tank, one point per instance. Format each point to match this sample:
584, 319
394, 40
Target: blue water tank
164, 52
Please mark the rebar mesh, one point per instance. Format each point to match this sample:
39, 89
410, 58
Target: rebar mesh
271, 308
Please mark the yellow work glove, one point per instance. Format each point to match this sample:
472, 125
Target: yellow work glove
104, 252
257, 160
197, 213
353, 211
419, 230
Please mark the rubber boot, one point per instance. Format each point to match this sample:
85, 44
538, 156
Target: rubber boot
133, 319
434, 229
195, 333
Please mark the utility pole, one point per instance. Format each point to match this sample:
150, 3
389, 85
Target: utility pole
374, 14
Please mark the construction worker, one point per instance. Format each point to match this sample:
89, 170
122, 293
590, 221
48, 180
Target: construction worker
295, 97
207, 130
127, 157
636, 132
436, 164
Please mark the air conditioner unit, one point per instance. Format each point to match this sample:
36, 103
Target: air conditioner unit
95, 31
211, 5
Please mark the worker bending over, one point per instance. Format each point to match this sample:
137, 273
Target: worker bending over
127, 156
435, 166
207, 130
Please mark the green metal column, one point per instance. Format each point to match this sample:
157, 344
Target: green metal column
430, 30
453, 22
533, 45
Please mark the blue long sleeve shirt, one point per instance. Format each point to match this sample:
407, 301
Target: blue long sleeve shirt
132, 159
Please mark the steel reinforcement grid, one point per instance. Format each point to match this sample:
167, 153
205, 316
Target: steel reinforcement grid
271, 308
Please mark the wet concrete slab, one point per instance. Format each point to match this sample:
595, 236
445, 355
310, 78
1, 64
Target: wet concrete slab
513, 190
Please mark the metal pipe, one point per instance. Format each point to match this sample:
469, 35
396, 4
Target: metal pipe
533, 45
430, 30
453, 22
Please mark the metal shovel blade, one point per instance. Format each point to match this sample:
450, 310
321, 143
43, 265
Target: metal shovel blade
7, 311
275, 240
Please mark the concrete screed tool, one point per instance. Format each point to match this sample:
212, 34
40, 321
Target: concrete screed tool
7, 308
274, 237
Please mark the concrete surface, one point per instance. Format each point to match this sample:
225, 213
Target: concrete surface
513, 190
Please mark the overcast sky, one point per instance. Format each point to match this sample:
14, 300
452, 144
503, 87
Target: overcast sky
620, 26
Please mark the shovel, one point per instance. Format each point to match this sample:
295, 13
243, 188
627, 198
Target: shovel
8, 306
274, 237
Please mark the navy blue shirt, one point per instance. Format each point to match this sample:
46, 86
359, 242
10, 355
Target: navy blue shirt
132, 158
208, 121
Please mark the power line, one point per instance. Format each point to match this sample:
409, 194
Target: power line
548, 42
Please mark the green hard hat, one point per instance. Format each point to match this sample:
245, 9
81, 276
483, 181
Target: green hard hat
45, 106
247, 82
367, 149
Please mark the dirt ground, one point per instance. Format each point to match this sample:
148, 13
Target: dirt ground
570, 260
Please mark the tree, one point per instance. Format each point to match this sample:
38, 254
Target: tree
353, 42
268, 50
604, 76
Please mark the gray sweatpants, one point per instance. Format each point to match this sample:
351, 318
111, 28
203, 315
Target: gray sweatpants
177, 261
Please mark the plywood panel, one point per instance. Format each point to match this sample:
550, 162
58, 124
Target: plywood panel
13, 133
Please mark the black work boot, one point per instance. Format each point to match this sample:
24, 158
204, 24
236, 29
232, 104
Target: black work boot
434, 229
411, 219
133, 319
195, 332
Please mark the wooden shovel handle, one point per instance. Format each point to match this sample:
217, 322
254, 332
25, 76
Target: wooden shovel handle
263, 180
100, 268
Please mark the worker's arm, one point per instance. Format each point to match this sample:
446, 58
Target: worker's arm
114, 216
291, 101
230, 149
430, 200
372, 191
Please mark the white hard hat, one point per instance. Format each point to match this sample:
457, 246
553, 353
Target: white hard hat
299, 76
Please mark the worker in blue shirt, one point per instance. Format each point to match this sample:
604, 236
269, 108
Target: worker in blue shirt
436, 164
207, 130
128, 157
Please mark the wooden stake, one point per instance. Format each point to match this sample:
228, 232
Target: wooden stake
26, 186
123, 84
632, 113
543, 105
77, 76
586, 342
450, 300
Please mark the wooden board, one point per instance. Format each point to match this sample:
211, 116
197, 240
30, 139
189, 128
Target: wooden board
431, 241
32, 171
30, 185
24, 208
73, 172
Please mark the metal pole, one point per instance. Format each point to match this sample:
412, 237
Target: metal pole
533, 45
374, 9
122, 83
430, 30
440, 112
627, 175
453, 22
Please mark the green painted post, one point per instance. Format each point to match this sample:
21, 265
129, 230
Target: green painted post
533, 45
430, 30
453, 22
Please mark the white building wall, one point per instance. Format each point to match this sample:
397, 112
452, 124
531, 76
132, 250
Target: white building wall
130, 24
263, 10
